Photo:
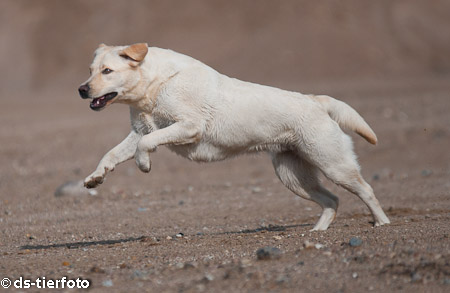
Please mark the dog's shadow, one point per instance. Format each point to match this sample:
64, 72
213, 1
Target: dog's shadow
80, 244
83, 244
270, 228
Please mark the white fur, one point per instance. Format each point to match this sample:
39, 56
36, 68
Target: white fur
206, 116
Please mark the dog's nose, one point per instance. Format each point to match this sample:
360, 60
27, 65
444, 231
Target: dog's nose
84, 91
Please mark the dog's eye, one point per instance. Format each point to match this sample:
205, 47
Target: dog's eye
107, 71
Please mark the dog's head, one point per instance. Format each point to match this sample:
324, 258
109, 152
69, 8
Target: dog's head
114, 73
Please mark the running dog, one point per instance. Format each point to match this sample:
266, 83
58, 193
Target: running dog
205, 116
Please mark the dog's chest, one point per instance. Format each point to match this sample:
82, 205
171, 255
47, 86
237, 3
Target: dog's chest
152, 122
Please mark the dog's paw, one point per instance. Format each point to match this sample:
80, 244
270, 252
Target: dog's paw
143, 161
94, 180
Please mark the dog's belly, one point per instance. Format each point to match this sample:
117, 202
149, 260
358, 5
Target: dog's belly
207, 152
201, 152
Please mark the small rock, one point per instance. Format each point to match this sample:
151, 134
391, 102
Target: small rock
355, 275
97, 270
307, 244
276, 237
415, 277
180, 235
138, 274
66, 263
426, 173
268, 252
71, 188
282, 279
355, 242
319, 246
169, 238
142, 209
107, 283
208, 277
256, 189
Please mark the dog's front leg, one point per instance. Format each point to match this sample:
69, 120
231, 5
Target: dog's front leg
122, 152
176, 134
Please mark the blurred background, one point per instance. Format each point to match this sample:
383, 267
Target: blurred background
47, 45
388, 59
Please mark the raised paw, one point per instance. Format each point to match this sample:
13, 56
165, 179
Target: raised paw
143, 161
94, 180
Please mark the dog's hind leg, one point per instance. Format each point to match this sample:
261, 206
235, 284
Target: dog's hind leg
352, 180
340, 166
302, 178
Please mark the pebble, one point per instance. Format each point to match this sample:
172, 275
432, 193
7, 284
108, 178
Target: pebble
138, 274
355, 242
96, 269
415, 277
319, 246
307, 244
268, 252
180, 235
73, 188
208, 277
276, 237
107, 283
355, 275
426, 173
256, 189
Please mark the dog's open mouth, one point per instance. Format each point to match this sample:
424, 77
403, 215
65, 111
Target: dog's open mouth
99, 103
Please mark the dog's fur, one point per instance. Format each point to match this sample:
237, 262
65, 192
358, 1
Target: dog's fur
206, 116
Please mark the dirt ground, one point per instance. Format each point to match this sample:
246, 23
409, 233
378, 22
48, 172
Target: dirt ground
189, 227
124, 238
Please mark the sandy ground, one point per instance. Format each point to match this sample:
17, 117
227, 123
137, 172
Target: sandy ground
124, 238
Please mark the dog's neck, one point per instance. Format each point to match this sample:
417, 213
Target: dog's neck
154, 74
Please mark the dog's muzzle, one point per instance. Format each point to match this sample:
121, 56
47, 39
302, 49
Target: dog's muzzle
83, 90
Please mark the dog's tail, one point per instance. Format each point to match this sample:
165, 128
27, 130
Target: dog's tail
347, 117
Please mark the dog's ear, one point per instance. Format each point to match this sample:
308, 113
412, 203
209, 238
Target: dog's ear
135, 52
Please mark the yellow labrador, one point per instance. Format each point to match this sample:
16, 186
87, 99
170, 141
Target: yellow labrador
206, 116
